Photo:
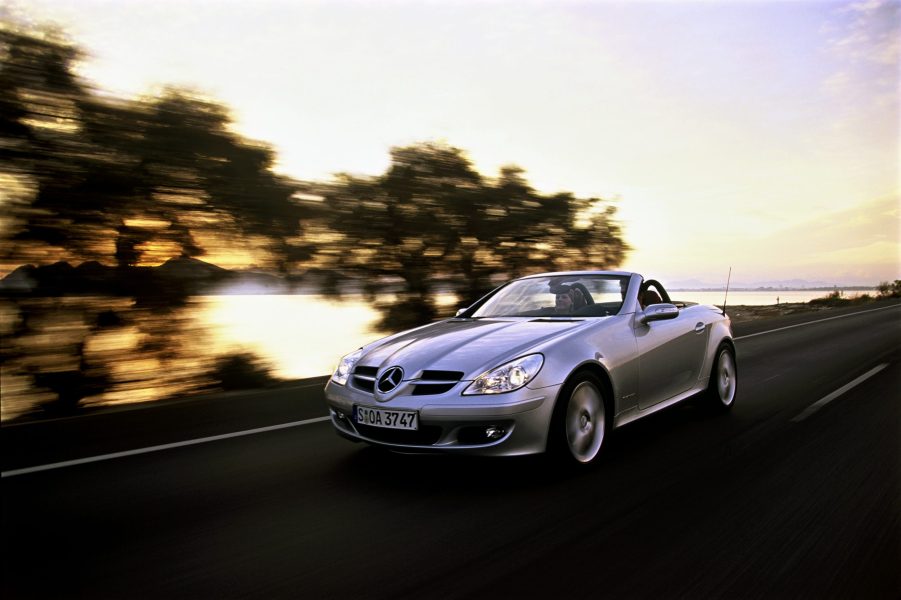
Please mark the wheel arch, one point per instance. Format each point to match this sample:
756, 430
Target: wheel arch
720, 334
598, 370
727, 341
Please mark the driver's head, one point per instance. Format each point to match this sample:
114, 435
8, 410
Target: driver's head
564, 302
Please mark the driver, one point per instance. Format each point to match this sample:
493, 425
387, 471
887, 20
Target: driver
564, 301
568, 298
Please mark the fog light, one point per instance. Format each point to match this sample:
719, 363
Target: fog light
494, 433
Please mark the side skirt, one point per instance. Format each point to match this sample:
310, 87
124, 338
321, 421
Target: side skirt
633, 414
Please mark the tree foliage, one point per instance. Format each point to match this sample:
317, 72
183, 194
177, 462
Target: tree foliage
97, 178
100, 178
431, 223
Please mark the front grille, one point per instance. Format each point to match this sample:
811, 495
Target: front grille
364, 378
424, 436
436, 382
441, 376
429, 383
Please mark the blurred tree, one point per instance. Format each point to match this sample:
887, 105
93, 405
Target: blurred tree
100, 178
84, 176
433, 224
40, 148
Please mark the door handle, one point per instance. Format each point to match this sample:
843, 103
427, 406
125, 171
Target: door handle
699, 328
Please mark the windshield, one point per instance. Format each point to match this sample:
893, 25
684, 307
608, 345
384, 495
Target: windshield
558, 296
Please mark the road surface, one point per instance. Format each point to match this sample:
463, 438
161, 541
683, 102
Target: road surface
796, 493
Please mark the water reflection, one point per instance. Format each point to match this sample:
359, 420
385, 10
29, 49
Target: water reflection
59, 354
62, 354
300, 336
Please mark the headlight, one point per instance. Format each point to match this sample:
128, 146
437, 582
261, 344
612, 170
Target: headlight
345, 367
508, 377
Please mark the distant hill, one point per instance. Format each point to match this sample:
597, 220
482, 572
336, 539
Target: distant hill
183, 275
782, 284
191, 268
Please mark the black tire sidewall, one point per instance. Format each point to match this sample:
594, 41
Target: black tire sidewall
713, 394
557, 446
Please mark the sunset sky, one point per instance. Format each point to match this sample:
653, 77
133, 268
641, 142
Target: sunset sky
758, 135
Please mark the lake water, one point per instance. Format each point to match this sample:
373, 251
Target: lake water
759, 297
304, 336
144, 354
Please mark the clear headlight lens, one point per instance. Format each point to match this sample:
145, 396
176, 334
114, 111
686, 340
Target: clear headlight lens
346, 367
508, 377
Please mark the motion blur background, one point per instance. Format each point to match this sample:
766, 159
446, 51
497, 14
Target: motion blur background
181, 179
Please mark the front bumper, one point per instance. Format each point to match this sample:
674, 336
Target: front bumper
451, 422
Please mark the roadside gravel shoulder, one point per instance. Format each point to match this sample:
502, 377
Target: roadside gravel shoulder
747, 320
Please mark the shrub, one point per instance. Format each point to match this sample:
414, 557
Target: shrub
241, 371
889, 290
834, 298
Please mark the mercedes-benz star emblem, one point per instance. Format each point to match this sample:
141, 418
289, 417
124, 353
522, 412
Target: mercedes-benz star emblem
390, 379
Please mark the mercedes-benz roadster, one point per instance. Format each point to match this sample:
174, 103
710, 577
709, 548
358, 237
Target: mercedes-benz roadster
549, 362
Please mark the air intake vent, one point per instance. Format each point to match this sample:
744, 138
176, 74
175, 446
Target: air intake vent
425, 436
436, 382
557, 320
364, 378
441, 375
429, 389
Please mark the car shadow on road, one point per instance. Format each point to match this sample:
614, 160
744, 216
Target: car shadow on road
628, 447
439, 471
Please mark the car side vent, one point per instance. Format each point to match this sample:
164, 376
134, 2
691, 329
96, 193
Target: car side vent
557, 320
364, 378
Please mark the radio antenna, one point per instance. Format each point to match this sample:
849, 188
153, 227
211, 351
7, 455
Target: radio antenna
728, 280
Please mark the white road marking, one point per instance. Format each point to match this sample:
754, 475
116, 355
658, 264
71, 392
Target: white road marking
102, 457
149, 449
829, 398
863, 312
152, 404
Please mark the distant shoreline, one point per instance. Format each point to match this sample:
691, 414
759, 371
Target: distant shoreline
847, 288
742, 313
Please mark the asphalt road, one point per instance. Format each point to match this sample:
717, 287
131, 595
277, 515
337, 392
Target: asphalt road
796, 493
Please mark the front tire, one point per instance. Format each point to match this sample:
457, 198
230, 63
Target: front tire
723, 385
580, 424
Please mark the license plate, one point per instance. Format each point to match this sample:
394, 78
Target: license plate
391, 419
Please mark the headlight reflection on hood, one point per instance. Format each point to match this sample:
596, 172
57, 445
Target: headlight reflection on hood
346, 367
507, 377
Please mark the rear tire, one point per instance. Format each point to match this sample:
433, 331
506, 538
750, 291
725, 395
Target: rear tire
580, 424
723, 385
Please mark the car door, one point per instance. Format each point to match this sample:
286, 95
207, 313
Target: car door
670, 355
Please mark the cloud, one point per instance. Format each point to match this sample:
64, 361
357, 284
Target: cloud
864, 40
860, 242
870, 32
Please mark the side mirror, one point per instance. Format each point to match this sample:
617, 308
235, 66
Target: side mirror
461, 311
659, 312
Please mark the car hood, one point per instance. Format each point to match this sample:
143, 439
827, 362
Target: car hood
467, 346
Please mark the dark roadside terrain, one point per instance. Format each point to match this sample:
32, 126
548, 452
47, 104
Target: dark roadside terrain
756, 503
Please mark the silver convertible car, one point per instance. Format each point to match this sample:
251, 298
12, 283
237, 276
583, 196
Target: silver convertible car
549, 362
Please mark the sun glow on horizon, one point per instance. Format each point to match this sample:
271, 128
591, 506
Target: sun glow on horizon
758, 134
